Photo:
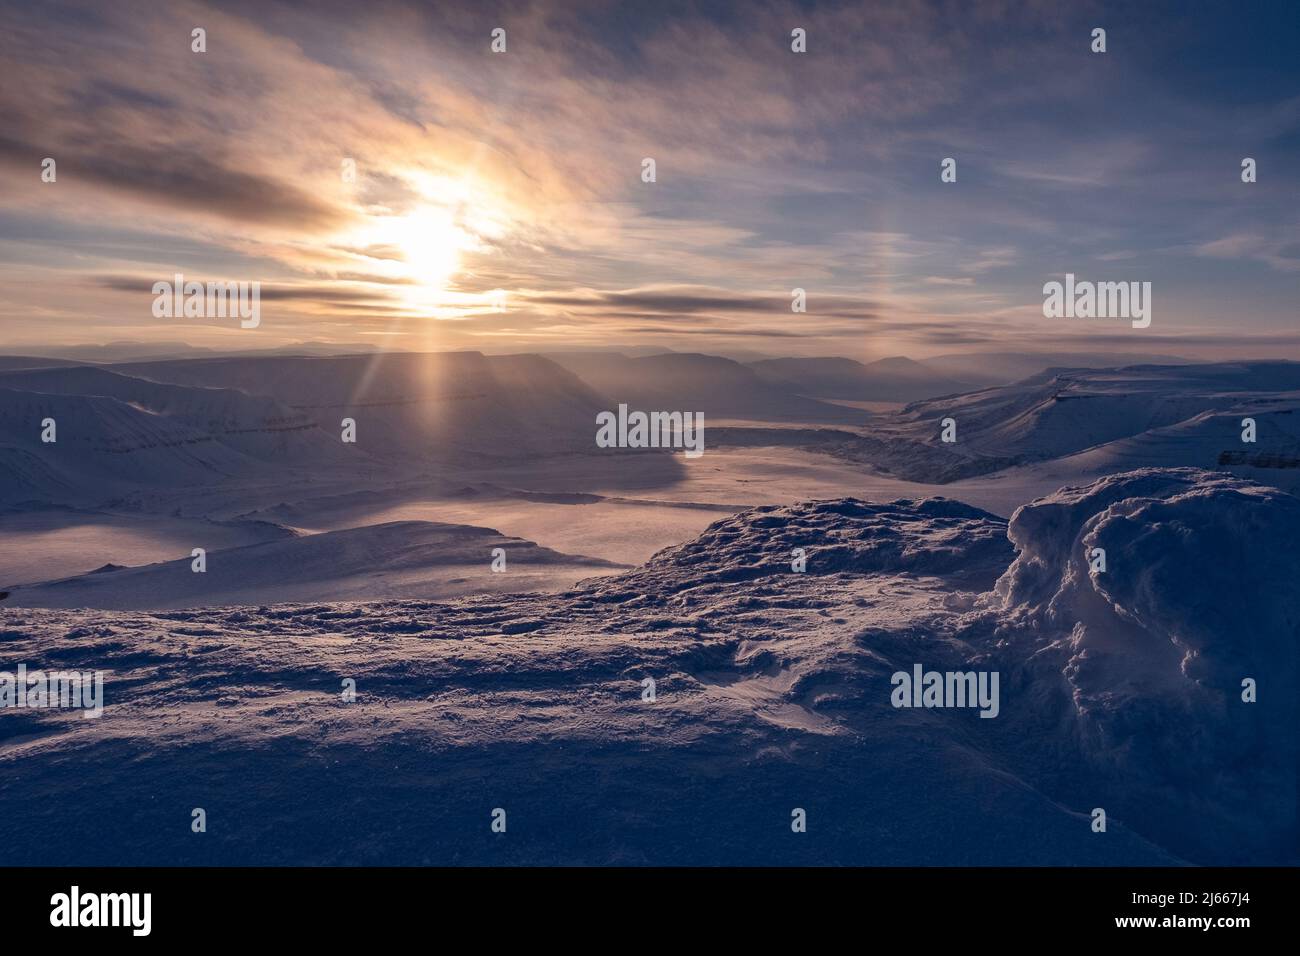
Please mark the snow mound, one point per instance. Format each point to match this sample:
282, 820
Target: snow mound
1198, 560
1197, 599
934, 536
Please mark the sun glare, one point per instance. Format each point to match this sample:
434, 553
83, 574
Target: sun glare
426, 246
429, 243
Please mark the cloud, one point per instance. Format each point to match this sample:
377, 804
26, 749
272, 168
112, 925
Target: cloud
317, 293
183, 179
989, 259
775, 170
1283, 255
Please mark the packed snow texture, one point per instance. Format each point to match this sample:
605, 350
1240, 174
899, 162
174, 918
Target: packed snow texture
1120, 690
1199, 595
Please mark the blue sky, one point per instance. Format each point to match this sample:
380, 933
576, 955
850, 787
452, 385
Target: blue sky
499, 203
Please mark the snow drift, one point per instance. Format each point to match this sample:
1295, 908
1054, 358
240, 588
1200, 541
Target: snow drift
1197, 605
384, 561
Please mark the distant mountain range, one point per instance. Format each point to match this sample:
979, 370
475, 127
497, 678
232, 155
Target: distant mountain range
197, 423
896, 379
719, 387
1003, 368
1146, 414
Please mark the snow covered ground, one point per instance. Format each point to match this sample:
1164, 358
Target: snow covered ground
772, 589
225, 452
1120, 690
381, 561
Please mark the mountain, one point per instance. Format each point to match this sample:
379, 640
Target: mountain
687, 711
116, 433
682, 381
1146, 414
1002, 368
10, 363
411, 406
127, 350
896, 379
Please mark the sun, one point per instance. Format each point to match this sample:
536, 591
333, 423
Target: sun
428, 244
421, 249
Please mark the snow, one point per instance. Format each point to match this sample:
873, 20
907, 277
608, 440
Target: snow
1198, 594
773, 692
1120, 689
1109, 418
381, 561
115, 433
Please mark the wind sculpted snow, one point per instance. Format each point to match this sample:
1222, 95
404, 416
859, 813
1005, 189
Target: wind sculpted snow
772, 692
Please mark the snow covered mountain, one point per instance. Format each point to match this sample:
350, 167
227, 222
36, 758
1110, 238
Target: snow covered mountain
1111, 418
177, 425
1120, 689
115, 433
982, 369
415, 406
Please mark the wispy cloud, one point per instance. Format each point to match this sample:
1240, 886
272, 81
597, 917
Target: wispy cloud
480, 174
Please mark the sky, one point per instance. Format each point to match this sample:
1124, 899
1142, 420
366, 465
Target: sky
499, 201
